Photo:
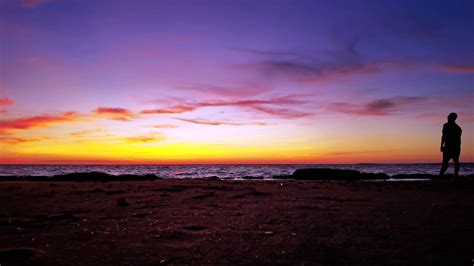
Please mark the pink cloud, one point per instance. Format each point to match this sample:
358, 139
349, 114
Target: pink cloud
114, 113
6, 101
32, 3
176, 109
38, 121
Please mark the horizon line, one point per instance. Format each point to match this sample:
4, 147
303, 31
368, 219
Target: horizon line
169, 164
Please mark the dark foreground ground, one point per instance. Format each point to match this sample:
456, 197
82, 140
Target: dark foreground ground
176, 222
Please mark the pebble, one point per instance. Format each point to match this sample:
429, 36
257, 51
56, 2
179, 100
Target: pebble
122, 202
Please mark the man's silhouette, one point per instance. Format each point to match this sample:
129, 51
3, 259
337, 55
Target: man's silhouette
451, 144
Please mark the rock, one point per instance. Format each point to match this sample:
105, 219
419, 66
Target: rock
252, 177
283, 177
326, 174
22, 256
122, 202
58, 217
81, 177
335, 174
212, 178
129, 177
374, 176
89, 176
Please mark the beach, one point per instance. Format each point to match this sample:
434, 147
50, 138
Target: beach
236, 222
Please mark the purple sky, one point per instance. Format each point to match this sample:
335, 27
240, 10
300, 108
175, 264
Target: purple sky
317, 81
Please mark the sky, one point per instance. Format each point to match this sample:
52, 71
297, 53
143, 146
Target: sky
132, 82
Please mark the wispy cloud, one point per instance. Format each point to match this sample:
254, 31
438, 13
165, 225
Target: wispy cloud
282, 112
115, 113
343, 60
155, 137
6, 101
315, 72
176, 109
266, 52
343, 153
32, 3
82, 133
378, 107
20, 140
239, 90
267, 106
38, 121
218, 123
164, 126
457, 68
283, 100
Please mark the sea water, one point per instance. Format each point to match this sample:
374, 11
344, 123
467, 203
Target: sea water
233, 171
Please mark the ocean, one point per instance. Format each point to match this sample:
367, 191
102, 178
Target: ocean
232, 171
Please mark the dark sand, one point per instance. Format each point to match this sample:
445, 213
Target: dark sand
178, 222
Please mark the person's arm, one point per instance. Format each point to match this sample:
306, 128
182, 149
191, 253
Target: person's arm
443, 140
442, 143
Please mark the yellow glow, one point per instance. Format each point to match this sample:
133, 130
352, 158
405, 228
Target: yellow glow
122, 143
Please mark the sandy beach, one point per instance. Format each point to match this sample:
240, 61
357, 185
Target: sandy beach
215, 222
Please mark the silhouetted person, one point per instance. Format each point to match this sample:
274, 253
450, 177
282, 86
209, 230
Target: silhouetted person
451, 144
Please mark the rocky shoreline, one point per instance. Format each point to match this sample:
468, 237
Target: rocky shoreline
300, 174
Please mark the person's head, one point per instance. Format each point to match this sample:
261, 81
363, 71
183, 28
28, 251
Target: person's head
452, 117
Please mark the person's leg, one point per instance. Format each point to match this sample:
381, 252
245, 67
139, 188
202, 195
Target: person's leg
444, 164
457, 165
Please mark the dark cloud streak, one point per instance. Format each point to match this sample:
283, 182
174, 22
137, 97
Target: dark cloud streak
378, 107
219, 123
263, 106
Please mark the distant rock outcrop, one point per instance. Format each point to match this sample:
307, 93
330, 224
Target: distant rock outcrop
82, 177
335, 174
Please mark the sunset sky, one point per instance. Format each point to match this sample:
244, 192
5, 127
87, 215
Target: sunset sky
233, 81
